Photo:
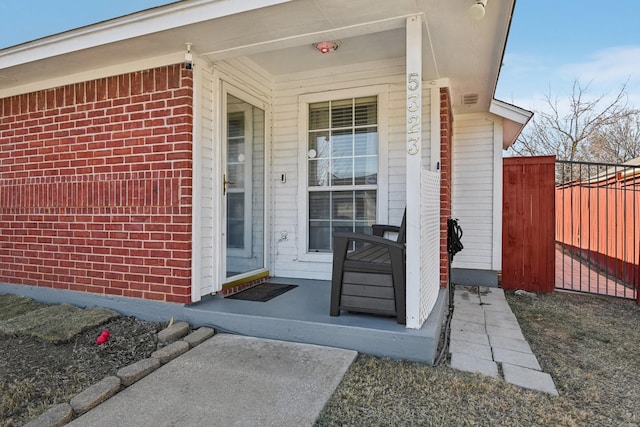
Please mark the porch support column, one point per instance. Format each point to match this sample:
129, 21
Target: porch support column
414, 168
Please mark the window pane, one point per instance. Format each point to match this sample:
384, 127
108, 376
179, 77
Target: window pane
342, 113
342, 172
343, 226
342, 143
362, 227
319, 173
343, 205
366, 111
319, 203
366, 141
313, 174
366, 170
366, 206
319, 146
318, 156
319, 115
319, 236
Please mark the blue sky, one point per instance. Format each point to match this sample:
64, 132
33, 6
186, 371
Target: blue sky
554, 42
551, 42
26, 20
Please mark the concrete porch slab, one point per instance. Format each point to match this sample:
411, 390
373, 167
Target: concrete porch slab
300, 315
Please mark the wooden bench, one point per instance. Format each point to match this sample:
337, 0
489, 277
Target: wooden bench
371, 278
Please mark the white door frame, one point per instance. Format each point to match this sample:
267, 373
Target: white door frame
228, 87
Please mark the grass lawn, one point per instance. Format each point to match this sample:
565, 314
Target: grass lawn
590, 345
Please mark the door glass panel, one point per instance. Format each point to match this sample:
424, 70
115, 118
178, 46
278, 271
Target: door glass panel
244, 187
235, 221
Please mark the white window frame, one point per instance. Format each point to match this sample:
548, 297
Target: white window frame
382, 211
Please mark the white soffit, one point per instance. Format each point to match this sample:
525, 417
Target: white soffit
278, 36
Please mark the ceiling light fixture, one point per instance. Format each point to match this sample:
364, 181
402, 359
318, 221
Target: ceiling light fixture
476, 11
328, 46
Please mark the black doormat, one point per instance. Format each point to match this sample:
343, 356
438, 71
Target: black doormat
262, 292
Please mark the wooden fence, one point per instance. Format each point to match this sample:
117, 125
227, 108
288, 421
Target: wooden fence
598, 217
528, 258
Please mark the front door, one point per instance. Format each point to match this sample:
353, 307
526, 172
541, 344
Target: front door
243, 186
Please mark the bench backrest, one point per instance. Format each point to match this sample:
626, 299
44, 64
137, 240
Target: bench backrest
402, 233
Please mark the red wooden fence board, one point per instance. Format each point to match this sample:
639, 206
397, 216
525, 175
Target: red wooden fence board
601, 222
528, 226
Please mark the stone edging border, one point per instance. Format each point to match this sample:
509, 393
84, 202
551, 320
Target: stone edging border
172, 342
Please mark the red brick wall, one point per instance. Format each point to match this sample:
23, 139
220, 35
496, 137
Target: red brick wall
95, 186
446, 122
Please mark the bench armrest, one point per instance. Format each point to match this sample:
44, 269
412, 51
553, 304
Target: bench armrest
380, 229
366, 238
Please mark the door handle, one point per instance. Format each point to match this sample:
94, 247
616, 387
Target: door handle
224, 185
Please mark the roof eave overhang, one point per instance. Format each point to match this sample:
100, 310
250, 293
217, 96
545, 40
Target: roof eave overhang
128, 27
515, 119
147, 37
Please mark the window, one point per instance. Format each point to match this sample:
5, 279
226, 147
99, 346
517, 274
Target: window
342, 160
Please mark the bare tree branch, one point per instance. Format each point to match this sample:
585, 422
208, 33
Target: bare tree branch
586, 129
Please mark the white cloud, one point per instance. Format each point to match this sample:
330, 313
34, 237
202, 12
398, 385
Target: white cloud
606, 72
523, 79
523, 64
526, 80
612, 65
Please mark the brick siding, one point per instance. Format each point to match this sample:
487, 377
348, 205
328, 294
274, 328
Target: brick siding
446, 122
95, 186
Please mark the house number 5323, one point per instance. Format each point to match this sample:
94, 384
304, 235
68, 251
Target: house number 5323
413, 114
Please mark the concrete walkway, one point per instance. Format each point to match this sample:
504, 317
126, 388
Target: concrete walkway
230, 380
486, 338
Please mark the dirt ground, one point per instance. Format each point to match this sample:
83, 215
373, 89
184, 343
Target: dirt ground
36, 373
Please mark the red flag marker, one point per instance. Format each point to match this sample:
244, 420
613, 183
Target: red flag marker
104, 336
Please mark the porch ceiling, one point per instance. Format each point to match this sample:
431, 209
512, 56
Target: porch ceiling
278, 36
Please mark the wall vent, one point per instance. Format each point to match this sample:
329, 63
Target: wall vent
470, 99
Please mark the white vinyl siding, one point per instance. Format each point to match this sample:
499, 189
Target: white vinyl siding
203, 251
288, 232
474, 192
283, 165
